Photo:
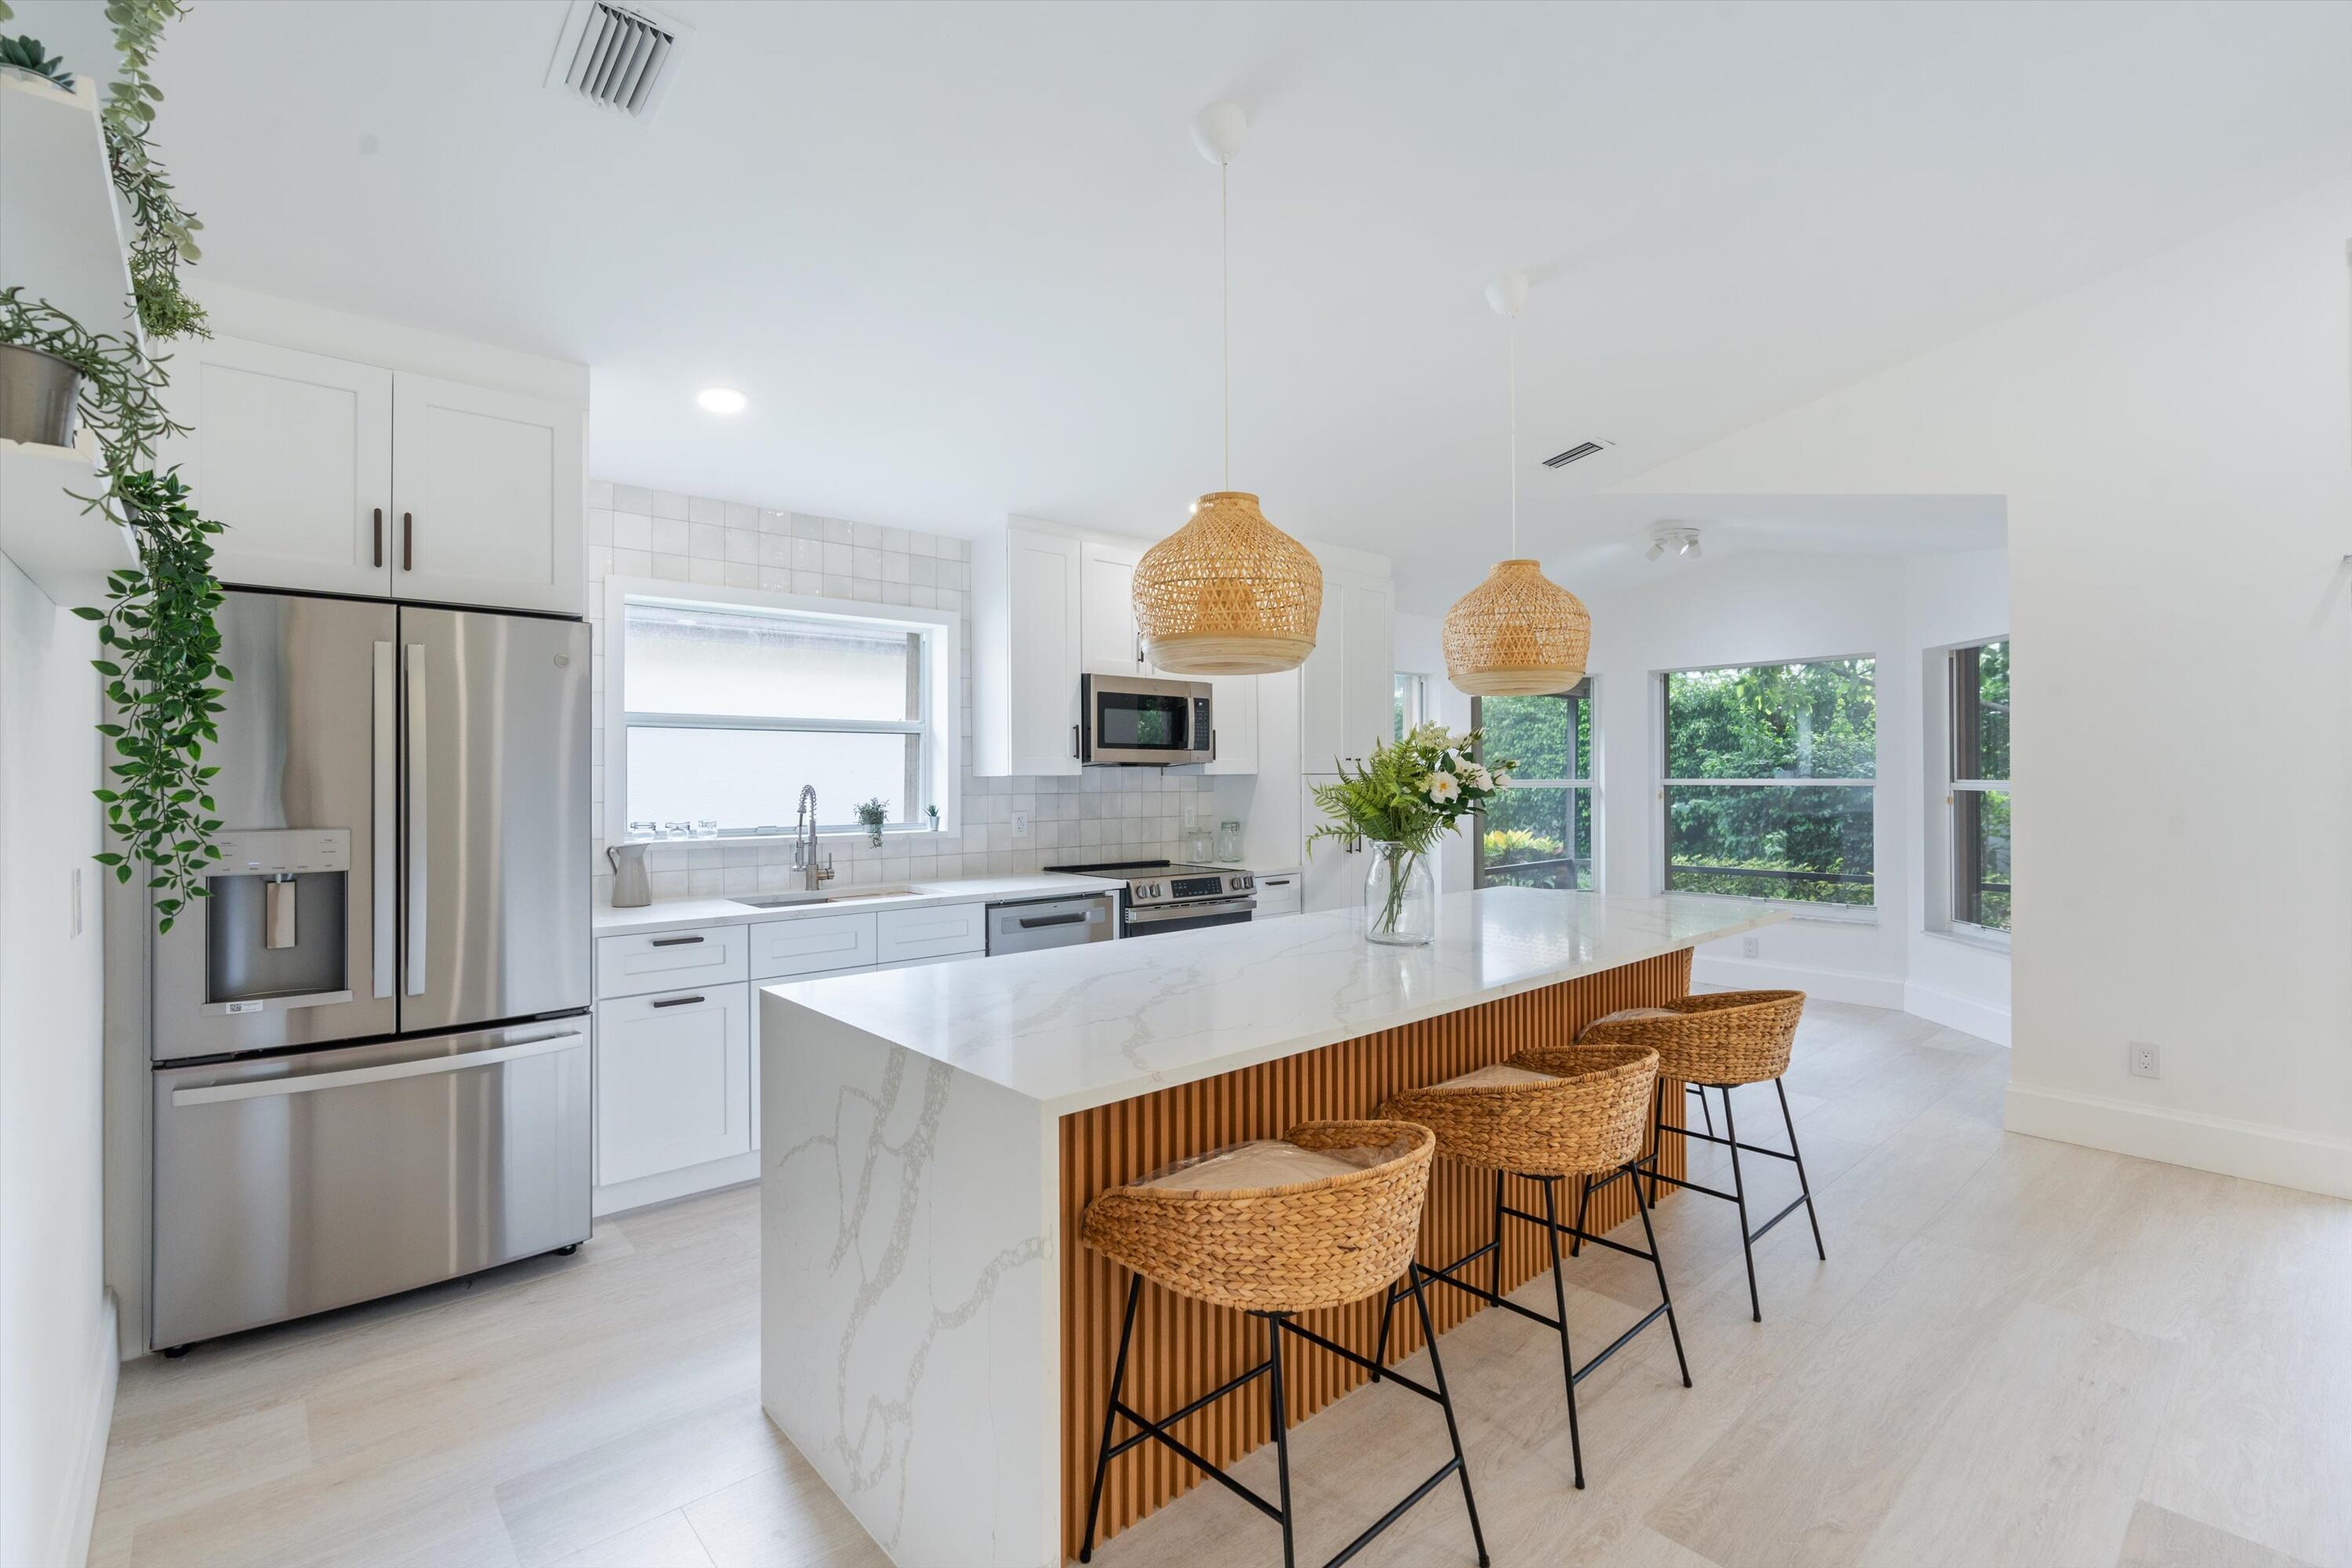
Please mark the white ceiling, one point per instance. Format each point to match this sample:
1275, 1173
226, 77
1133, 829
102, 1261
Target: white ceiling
962, 258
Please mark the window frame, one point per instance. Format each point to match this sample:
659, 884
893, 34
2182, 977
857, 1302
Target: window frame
1943, 905
1662, 752
1587, 692
941, 701
1407, 716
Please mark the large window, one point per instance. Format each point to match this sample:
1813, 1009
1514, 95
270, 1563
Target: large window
1412, 704
1538, 832
1979, 785
727, 710
1771, 776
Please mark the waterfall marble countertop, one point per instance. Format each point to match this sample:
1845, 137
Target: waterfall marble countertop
1073, 1027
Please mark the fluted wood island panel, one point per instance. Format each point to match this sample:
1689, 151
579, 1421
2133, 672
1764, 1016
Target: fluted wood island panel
1185, 1348
934, 1338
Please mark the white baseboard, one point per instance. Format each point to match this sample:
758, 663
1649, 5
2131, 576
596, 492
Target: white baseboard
2280, 1156
1829, 984
1966, 1014
660, 1188
80, 1499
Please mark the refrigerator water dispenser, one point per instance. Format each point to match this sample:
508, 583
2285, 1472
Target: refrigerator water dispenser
274, 920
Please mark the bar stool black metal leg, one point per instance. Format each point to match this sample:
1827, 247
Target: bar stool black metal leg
1657, 1261
1445, 1402
1739, 1196
1387, 1311
1583, 1204
1110, 1417
1804, 1187
1494, 1264
1560, 1299
1658, 1129
1704, 1110
1281, 1432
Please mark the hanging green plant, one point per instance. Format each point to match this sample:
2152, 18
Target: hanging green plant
164, 232
161, 650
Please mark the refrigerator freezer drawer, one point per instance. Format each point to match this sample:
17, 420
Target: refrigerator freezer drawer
288, 1186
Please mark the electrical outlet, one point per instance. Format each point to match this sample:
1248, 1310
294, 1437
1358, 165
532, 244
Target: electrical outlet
1020, 825
1751, 946
2143, 1062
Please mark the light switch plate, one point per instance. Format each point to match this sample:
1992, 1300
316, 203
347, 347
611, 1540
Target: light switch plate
2143, 1061
1751, 946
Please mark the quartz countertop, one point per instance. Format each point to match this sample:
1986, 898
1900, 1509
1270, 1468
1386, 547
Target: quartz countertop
1078, 1027
676, 914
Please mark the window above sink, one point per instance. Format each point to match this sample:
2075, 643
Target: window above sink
721, 703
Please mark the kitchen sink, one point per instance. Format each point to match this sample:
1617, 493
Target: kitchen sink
795, 901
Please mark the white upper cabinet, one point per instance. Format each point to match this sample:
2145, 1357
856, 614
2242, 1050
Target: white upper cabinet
490, 492
1109, 642
293, 451
1026, 645
338, 477
1233, 702
1349, 685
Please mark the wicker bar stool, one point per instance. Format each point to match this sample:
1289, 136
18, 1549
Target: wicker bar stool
1546, 1116
1718, 1041
1324, 1216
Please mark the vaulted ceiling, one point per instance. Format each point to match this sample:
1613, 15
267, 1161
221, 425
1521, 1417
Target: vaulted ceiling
961, 259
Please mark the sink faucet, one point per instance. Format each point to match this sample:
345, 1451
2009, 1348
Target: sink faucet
813, 876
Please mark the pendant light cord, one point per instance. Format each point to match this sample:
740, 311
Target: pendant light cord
1225, 315
1513, 337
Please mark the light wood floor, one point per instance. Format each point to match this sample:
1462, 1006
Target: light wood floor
2019, 1352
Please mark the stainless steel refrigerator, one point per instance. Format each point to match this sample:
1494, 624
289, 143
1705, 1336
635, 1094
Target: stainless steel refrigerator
370, 1042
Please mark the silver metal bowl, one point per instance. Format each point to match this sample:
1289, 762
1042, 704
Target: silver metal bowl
36, 397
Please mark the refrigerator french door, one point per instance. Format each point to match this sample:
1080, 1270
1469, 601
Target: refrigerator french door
370, 1039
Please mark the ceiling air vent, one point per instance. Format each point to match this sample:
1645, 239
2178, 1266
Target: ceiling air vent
616, 56
1577, 453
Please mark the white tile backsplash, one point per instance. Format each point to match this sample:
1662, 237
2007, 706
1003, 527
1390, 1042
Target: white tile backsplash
1103, 814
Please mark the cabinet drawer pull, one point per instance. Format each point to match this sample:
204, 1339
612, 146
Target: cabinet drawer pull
407, 542
675, 940
678, 1001
1278, 881
379, 536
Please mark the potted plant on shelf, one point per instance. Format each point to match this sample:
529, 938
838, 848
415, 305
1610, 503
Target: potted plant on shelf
1406, 796
933, 813
874, 813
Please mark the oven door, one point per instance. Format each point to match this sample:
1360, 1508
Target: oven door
1131, 721
1189, 916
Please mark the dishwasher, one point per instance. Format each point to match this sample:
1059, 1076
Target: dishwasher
1064, 921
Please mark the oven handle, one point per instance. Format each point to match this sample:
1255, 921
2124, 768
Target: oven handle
305, 1083
1190, 912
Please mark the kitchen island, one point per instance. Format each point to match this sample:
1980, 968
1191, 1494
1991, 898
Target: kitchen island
934, 1337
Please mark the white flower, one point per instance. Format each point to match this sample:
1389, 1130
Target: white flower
1499, 779
1477, 777
1442, 788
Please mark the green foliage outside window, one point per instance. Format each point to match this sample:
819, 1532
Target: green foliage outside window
1783, 722
1539, 833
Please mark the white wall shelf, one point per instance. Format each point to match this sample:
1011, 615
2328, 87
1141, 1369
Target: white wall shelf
66, 551
60, 233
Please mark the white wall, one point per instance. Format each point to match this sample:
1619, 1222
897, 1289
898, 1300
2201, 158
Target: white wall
2174, 448
1102, 814
57, 1331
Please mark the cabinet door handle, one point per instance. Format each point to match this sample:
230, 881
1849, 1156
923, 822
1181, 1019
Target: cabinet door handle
678, 1001
407, 542
675, 940
1073, 741
379, 536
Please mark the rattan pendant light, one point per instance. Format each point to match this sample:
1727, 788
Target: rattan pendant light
1517, 634
1227, 593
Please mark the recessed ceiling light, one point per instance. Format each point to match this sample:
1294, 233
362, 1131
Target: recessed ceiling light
720, 399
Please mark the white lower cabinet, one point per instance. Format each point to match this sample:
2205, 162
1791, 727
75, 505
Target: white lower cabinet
673, 1080
1278, 895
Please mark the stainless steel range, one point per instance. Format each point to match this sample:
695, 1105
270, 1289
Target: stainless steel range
1162, 896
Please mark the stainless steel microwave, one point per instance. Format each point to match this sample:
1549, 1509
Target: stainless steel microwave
1127, 720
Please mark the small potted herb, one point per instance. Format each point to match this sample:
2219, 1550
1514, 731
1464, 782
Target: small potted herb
933, 813
874, 813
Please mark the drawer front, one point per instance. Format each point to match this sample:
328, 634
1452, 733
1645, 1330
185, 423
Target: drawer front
942, 932
663, 961
672, 1080
1278, 895
813, 942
